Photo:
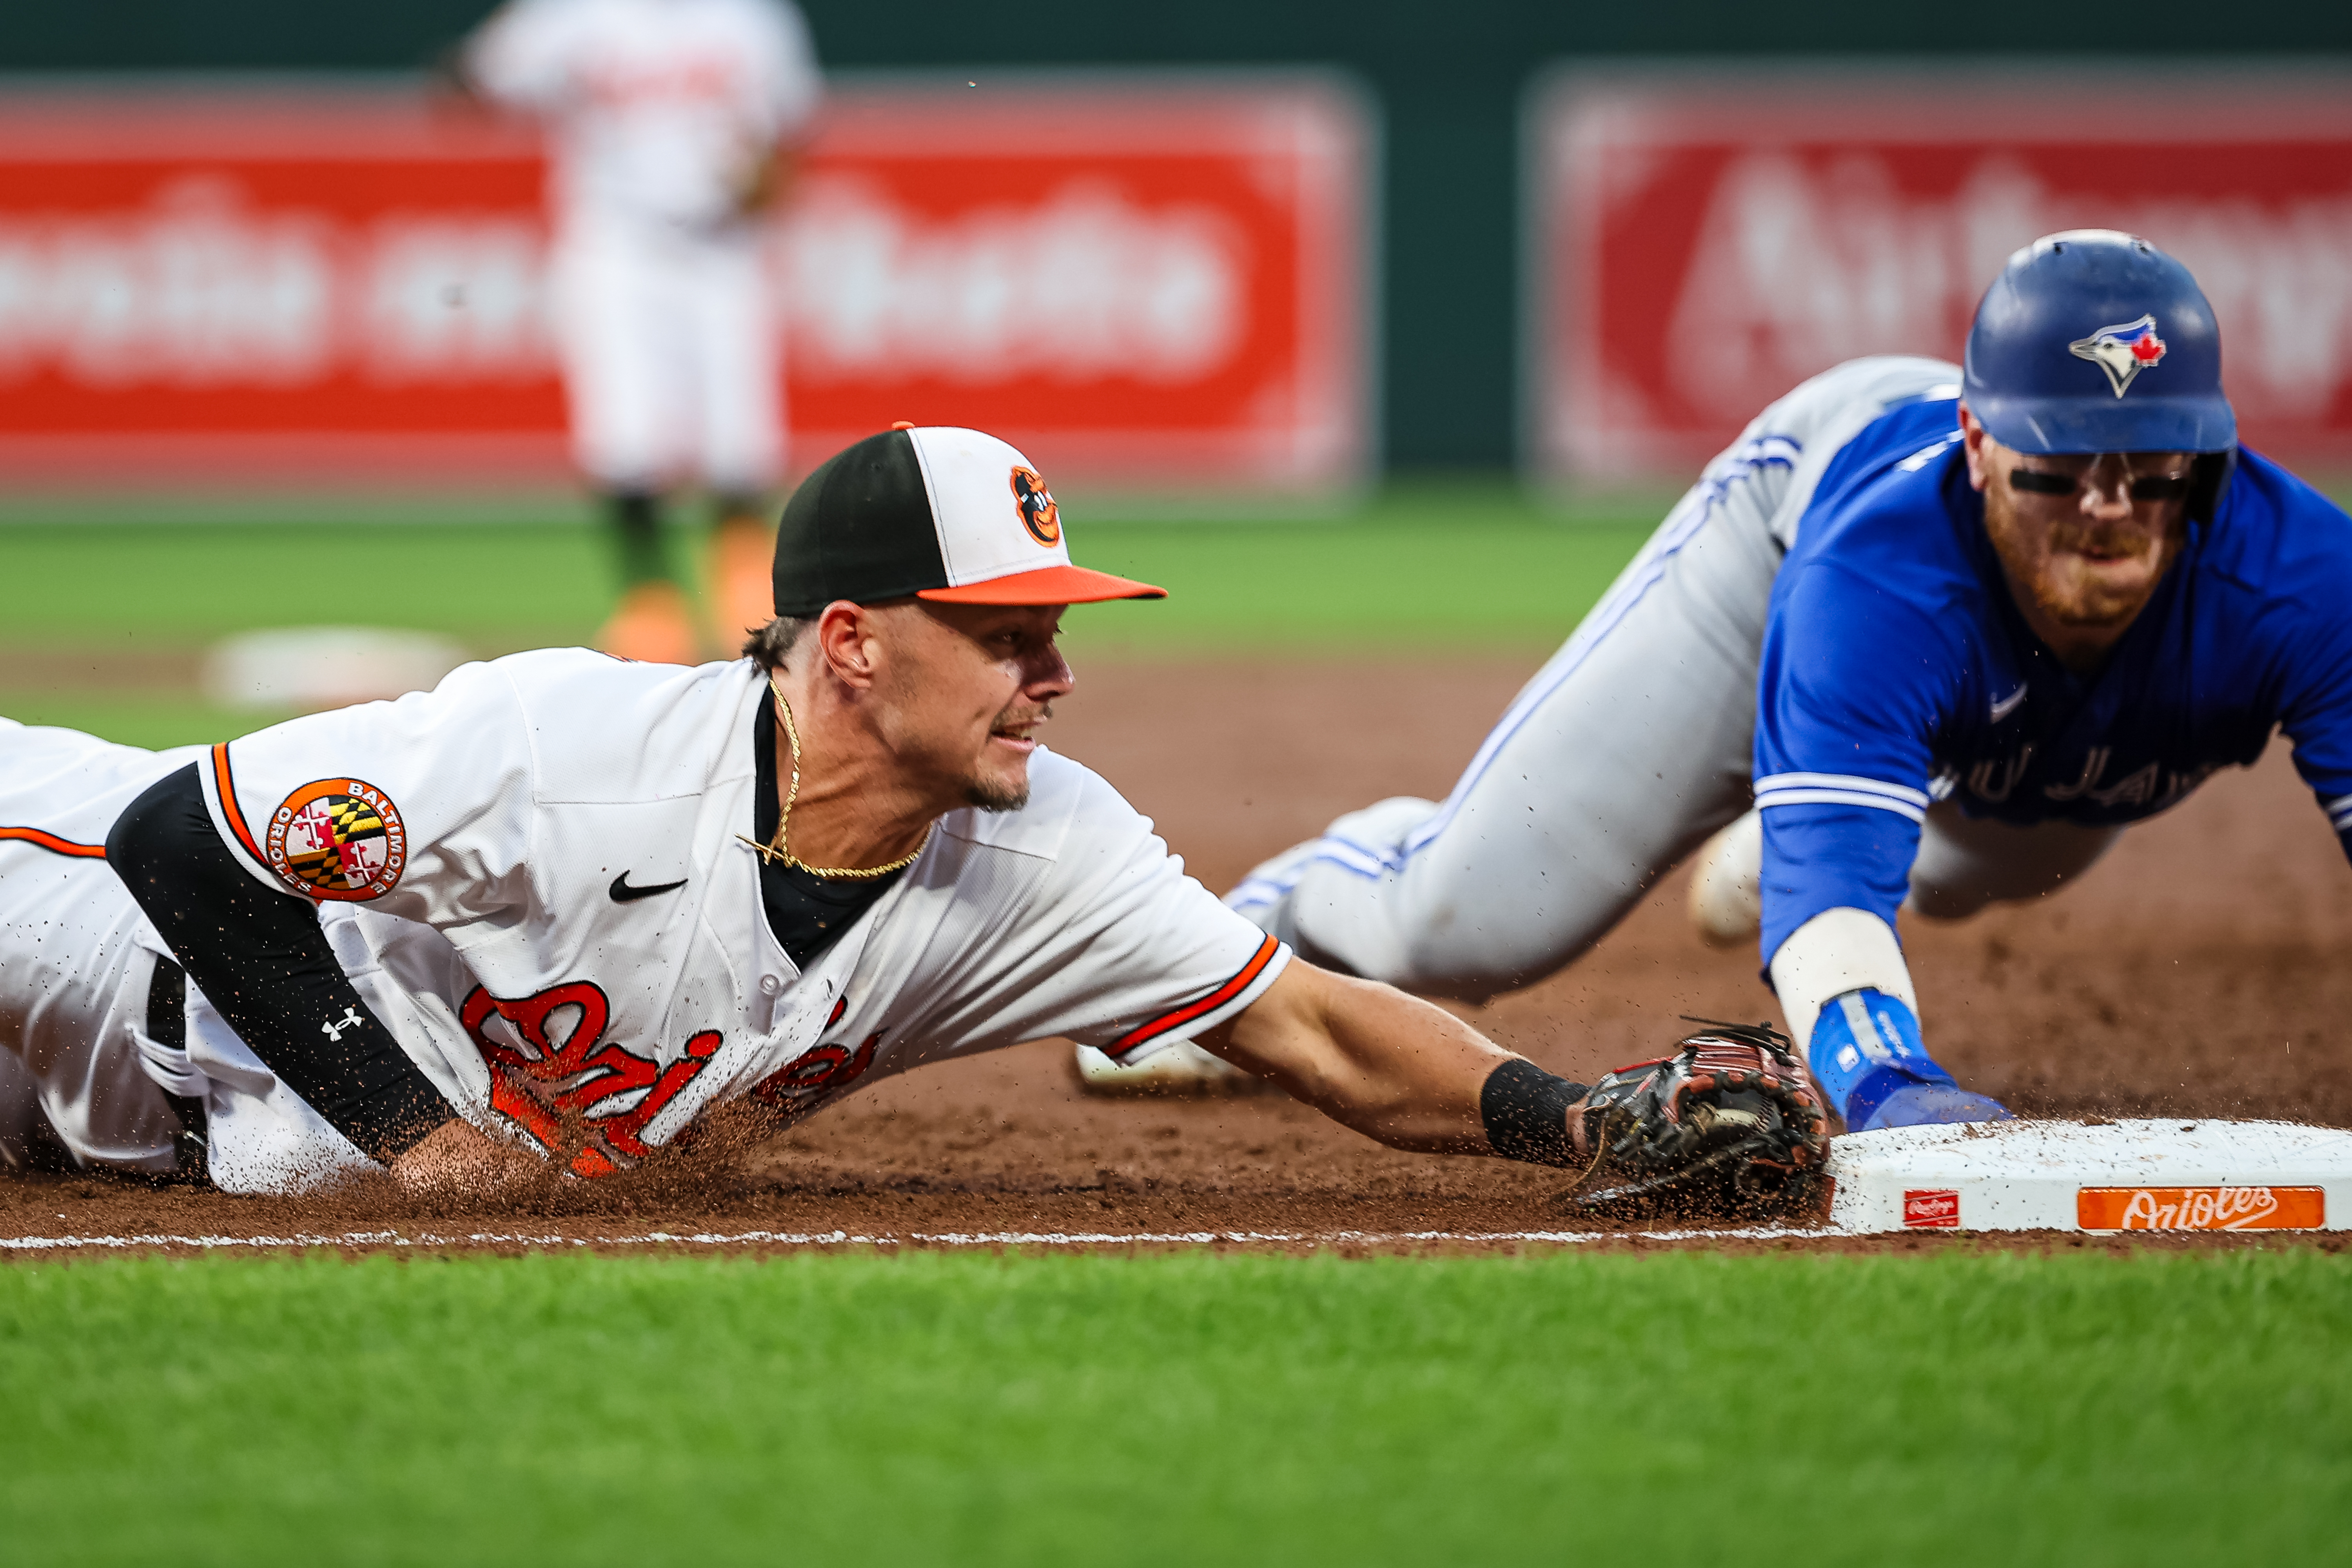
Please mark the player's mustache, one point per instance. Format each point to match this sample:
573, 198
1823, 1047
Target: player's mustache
1014, 718
2104, 539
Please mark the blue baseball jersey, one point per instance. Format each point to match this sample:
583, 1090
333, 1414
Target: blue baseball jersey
1898, 671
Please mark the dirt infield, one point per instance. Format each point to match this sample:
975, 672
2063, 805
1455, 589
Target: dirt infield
2197, 970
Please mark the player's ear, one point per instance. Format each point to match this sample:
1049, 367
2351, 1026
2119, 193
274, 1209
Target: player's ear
1973, 440
844, 637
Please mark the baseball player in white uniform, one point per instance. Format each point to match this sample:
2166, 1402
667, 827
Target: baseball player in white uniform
674, 125
564, 903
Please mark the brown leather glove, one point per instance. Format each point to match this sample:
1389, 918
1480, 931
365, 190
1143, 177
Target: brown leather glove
1730, 1126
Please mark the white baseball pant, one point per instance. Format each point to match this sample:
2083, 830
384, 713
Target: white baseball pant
671, 364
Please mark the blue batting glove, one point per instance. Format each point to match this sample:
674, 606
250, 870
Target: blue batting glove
1867, 1053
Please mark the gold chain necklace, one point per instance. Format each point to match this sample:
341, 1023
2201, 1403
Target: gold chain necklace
774, 850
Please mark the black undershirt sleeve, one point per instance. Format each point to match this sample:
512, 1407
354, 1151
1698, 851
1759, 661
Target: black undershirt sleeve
262, 962
1525, 1112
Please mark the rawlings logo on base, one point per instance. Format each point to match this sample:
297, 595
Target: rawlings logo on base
1935, 1208
2201, 1208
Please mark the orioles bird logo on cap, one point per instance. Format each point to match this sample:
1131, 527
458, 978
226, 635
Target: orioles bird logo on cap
1039, 515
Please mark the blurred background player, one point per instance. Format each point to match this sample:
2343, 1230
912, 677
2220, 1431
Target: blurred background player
675, 128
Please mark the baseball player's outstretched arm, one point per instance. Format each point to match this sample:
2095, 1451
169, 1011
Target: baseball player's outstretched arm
1391, 1066
1723, 1122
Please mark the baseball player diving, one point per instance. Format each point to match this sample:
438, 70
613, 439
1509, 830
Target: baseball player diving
674, 131
563, 905
1924, 635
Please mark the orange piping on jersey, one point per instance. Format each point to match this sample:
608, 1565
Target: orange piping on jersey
53, 844
1191, 1010
227, 787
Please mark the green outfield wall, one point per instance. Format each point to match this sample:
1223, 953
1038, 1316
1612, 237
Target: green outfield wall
1449, 78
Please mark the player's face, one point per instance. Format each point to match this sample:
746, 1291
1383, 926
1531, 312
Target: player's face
2085, 540
978, 684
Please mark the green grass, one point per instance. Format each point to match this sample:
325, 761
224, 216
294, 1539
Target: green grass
132, 585
1473, 561
1469, 566
1951, 1407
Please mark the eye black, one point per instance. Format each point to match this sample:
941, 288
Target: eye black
2041, 484
2159, 487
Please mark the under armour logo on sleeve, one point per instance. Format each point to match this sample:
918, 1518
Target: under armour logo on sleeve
333, 1028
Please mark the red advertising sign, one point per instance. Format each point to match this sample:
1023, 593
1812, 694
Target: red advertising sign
1155, 282
1701, 243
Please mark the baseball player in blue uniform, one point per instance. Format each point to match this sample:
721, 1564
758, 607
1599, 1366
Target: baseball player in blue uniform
1923, 636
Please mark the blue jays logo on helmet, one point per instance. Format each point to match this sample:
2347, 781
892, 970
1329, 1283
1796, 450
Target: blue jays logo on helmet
2028, 377
2123, 351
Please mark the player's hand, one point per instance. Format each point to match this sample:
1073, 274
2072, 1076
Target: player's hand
766, 181
1729, 1126
460, 1158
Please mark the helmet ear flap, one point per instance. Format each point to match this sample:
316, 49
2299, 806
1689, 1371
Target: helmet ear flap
2208, 476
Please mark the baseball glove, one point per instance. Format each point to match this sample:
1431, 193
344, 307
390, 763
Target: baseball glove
1730, 1126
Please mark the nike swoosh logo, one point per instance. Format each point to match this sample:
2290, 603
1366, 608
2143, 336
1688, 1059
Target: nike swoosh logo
2006, 706
622, 893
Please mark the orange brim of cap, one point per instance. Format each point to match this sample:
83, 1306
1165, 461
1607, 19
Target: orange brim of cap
1045, 586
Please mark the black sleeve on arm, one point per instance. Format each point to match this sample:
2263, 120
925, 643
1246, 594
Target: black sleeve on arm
261, 959
1525, 1112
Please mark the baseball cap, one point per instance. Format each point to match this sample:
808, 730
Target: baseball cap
2094, 340
936, 511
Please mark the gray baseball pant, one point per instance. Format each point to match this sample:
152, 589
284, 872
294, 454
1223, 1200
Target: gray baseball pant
1626, 751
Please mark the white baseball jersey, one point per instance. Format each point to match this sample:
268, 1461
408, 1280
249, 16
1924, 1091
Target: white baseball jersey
480, 854
660, 109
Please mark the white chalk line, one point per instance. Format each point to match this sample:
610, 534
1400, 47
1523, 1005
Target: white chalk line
369, 1238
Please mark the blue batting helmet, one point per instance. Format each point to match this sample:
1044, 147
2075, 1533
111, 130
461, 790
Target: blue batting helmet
2092, 340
